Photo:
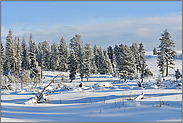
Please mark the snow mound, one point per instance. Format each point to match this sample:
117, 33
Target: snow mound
103, 84
140, 97
31, 101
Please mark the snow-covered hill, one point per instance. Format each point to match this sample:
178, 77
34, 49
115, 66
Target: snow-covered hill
103, 99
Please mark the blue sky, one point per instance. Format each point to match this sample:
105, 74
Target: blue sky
98, 22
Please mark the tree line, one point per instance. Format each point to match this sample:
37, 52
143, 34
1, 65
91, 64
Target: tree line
126, 62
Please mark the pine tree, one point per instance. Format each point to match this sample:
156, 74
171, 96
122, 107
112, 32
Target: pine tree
166, 47
18, 56
25, 55
142, 60
46, 55
155, 51
88, 58
135, 50
96, 56
110, 54
10, 53
93, 67
100, 61
54, 56
81, 61
126, 64
63, 55
161, 62
72, 65
39, 56
2, 57
32, 52
74, 44
106, 64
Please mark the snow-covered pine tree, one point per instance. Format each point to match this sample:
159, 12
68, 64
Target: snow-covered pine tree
110, 54
100, 61
46, 54
177, 74
142, 60
39, 56
18, 56
2, 57
135, 50
81, 61
88, 57
96, 56
166, 45
63, 55
32, 52
25, 55
54, 56
93, 67
126, 64
74, 44
10, 49
106, 64
161, 62
155, 51
72, 65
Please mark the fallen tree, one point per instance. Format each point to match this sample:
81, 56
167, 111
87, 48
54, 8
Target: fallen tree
41, 94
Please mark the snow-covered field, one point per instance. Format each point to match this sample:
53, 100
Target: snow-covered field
103, 99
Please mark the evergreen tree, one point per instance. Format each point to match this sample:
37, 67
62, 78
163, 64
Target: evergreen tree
11, 60
155, 51
166, 47
63, 55
96, 56
72, 65
126, 62
106, 64
142, 60
93, 67
135, 51
110, 54
2, 57
32, 55
18, 56
54, 56
46, 55
39, 56
74, 44
88, 57
25, 55
161, 62
81, 61
100, 61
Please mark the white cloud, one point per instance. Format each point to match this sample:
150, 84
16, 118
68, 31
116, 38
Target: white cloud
146, 30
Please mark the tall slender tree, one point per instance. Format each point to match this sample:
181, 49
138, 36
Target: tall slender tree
165, 46
25, 55
72, 65
2, 57
88, 57
63, 55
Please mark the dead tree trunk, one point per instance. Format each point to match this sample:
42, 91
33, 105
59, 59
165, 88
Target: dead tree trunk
39, 97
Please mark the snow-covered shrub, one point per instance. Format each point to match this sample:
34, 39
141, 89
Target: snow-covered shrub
177, 74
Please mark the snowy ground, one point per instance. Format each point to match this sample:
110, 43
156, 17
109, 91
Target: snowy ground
104, 98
